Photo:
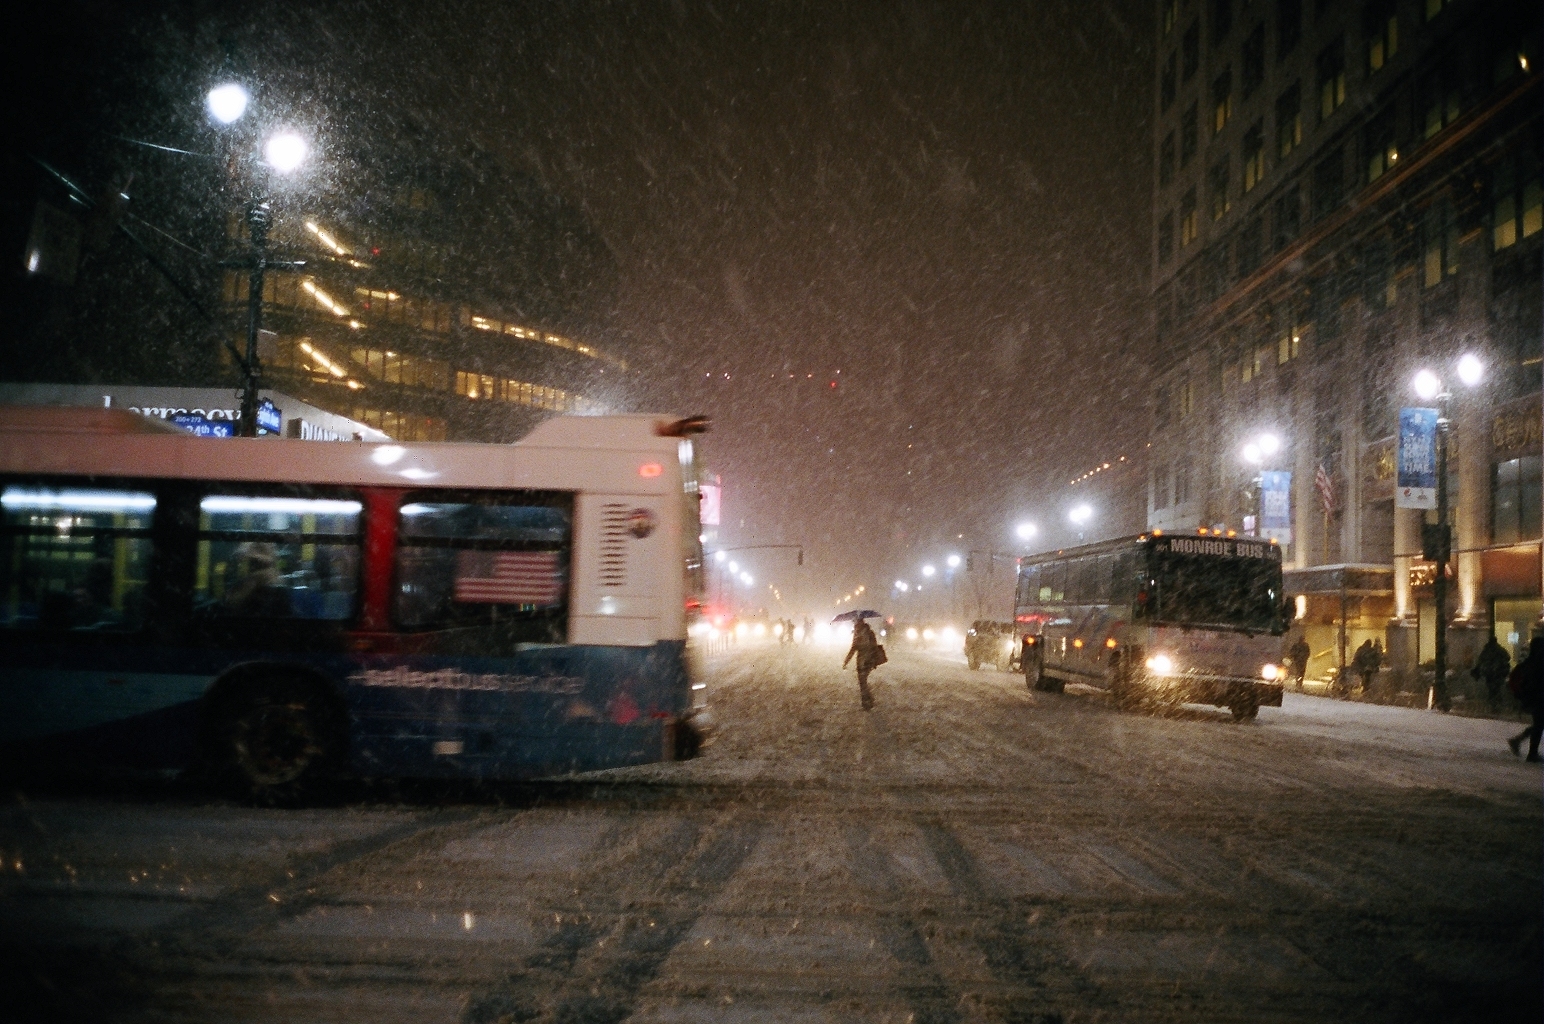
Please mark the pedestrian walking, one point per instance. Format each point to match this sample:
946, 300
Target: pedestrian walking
1492, 667
1527, 685
1366, 661
865, 645
1299, 654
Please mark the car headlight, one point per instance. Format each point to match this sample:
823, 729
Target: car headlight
1271, 673
1160, 664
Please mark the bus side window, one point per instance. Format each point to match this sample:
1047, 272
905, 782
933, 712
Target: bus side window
1029, 585
484, 559
1122, 578
277, 556
74, 558
1053, 586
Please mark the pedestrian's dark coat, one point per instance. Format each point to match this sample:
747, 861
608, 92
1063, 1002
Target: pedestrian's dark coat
1299, 653
1492, 666
865, 645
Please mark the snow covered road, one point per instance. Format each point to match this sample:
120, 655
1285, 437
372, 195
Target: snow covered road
967, 851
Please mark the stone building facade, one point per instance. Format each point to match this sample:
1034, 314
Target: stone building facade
1345, 194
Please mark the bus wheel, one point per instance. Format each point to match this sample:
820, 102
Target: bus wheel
974, 662
1244, 709
274, 740
1032, 675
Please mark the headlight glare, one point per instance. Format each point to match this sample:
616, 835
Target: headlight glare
1161, 664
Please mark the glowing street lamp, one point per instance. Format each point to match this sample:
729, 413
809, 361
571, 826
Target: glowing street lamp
1026, 531
227, 102
285, 152
902, 586
953, 561
1080, 515
1437, 544
928, 571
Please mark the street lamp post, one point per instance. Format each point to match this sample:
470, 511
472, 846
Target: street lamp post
1437, 545
283, 152
1257, 453
1080, 517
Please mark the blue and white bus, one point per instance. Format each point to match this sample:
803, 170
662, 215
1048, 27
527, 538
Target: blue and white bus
280, 611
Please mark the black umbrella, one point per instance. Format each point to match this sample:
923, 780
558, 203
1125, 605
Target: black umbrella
855, 615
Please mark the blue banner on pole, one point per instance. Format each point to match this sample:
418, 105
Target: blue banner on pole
1276, 506
1415, 485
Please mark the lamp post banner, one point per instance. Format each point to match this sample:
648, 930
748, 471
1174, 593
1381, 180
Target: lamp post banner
1416, 483
1276, 506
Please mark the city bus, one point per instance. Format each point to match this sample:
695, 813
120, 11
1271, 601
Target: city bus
1157, 618
270, 613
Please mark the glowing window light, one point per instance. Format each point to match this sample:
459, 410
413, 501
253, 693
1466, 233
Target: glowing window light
332, 304
327, 239
77, 501
286, 506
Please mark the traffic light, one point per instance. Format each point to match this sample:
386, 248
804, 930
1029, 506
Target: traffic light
1436, 543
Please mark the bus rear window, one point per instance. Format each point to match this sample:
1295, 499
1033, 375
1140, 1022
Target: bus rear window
485, 559
74, 558
277, 556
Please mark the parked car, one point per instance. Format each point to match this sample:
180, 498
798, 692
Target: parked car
992, 643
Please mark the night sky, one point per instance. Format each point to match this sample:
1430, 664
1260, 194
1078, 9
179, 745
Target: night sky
943, 208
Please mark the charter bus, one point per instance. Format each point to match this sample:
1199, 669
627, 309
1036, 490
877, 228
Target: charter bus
275, 612
1160, 617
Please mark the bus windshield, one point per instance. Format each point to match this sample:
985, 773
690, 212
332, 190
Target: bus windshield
1239, 593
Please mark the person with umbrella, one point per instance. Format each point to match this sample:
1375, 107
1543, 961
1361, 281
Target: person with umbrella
866, 646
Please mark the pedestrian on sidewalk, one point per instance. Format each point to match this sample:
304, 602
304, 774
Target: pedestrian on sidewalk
1366, 661
1299, 654
1527, 684
1492, 667
870, 656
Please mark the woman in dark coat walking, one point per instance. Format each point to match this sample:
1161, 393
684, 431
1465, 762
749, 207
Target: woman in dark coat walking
866, 646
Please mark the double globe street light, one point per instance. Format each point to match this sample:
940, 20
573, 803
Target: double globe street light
1437, 541
283, 152
1259, 451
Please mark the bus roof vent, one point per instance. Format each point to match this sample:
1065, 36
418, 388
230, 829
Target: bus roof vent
613, 544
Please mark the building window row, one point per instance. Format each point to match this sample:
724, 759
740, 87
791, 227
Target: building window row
482, 387
370, 305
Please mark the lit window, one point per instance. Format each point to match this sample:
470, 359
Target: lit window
1189, 135
1332, 79
1382, 145
1289, 121
1517, 199
1439, 244
1222, 100
1218, 181
1382, 29
1254, 156
1188, 225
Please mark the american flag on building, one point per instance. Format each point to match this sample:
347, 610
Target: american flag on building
1326, 488
509, 577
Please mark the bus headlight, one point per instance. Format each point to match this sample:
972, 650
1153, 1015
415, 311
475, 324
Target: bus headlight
1160, 664
1271, 673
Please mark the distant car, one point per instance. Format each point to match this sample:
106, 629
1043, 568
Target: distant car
992, 643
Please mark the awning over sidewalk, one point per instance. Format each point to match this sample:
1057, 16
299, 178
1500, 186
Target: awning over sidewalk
1351, 579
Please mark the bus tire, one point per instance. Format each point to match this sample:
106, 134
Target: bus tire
1244, 709
974, 662
273, 738
1033, 677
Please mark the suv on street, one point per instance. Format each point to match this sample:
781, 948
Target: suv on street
992, 643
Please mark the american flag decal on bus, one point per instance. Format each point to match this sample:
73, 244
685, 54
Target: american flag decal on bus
508, 577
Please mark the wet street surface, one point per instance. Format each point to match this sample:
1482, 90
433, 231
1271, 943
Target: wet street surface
967, 851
